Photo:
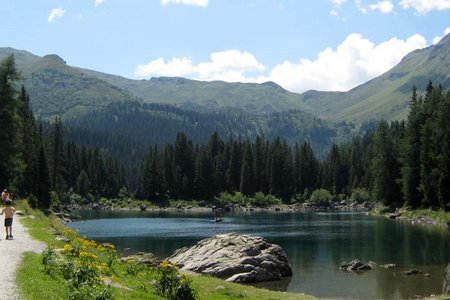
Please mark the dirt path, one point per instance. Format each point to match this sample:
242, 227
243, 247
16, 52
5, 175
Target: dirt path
11, 252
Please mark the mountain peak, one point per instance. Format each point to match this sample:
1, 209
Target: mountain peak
272, 85
54, 59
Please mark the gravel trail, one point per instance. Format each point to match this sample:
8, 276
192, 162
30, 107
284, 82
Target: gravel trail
11, 252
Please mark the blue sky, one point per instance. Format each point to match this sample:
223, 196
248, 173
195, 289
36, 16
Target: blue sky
299, 44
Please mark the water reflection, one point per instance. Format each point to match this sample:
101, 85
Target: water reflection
316, 245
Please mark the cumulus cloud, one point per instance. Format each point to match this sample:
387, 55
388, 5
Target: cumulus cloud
386, 7
98, 2
438, 38
55, 14
338, 2
360, 7
355, 61
422, 7
202, 3
231, 65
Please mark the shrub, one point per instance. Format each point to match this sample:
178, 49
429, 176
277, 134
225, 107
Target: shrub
321, 197
54, 200
359, 195
173, 285
261, 200
33, 201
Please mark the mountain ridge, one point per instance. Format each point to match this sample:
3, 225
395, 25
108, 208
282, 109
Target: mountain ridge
58, 89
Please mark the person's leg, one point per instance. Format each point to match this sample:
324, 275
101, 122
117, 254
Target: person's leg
7, 235
10, 232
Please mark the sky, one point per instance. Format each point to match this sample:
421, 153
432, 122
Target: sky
327, 45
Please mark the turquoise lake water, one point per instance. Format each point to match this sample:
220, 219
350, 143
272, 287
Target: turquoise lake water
316, 245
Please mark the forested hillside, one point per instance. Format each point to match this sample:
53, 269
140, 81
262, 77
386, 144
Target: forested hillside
402, 163
37, 162
125, 129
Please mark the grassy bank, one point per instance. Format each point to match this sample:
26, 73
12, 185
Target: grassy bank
76, 268
417, 216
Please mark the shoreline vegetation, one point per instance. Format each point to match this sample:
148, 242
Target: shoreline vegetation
73, 267
414, 216
125, 279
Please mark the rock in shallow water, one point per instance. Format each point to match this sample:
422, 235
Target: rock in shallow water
235, 257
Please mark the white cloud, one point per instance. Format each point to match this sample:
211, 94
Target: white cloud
422, 7
335, 13
438, 38
355, 61
98, 2
231, 65
386, 7
55, 14
338, 2
360, 7
202, 3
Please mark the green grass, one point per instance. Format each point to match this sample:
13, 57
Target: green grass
32, 283
439, 216
213, 288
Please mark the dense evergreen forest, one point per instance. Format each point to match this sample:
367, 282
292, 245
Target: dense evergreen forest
401, 163
405, 162
37, 163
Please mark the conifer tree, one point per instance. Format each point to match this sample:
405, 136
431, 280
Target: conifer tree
11, 161
385, 168
411, 164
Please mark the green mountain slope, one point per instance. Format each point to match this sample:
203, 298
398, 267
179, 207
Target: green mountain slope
192, 94
58, 89
387, 96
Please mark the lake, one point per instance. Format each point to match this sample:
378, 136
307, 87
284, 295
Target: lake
316, 245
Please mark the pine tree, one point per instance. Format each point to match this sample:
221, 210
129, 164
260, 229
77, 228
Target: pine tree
56, 154
10, 163
29, 146
247, 185
43, 194
385, 168
83, 184
411, 165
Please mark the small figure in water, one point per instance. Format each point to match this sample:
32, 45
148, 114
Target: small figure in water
217, 214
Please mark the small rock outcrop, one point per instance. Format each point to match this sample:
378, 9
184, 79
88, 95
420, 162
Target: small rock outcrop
357, 265
411, 272
446, 288
235, 257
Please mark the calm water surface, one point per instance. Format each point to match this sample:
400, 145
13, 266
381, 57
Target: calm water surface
316, 244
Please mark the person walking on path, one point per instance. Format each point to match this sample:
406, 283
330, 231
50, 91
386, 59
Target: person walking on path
5, 195
11, 255
9, 211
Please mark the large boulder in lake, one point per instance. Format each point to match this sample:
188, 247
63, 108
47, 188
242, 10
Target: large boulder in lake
446, 288
235, 257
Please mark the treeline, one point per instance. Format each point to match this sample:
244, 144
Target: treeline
401, 163
38, 163
128, 129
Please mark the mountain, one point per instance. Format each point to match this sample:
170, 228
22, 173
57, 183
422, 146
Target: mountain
386, 96
192, 94
58, 89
